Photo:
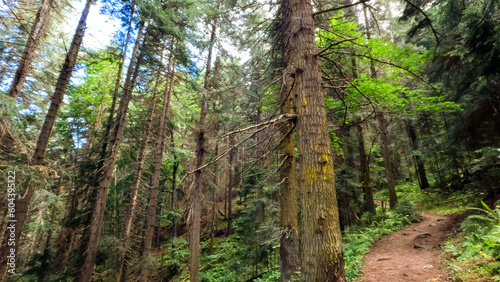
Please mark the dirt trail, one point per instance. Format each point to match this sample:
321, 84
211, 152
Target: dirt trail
411, 254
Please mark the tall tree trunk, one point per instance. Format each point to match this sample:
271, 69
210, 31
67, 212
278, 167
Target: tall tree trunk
289, 240
56, 99
194, 239
130, 213
384, 139
321, 242
424, 182
109, 122
384, 142
153, 198
230, 184
36, 34
350, 149
259, 152
363, 158
214, 200
62, 84
174, 186
365, 172
102, 191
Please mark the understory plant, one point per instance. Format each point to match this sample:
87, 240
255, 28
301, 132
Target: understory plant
475, 254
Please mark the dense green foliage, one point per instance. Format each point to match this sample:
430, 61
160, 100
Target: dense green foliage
425, 72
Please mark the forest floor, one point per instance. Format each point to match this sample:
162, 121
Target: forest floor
411, 254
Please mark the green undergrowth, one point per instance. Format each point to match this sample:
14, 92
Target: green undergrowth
475, 252
231, 262
434, 200
251, 253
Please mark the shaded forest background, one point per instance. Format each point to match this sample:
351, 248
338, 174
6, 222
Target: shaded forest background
201, 142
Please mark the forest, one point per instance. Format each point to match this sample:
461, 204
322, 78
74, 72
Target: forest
239, 140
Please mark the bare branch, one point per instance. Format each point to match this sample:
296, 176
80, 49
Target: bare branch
280, 118
336, 43
427, 18
339, 8
392, 64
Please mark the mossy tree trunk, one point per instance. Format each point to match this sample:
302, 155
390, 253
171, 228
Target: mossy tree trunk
321, 242
289, 240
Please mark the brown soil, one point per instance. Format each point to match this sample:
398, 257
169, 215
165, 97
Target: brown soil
411, 254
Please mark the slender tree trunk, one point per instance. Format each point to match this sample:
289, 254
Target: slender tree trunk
384, 139
259, 152
194, 240
350, 150
289, 239
363, 158
62, 84
230, 184
102, 191
130, 213
174, 187
424, 182
56, 99
109, 122
214, 202
384, 142
153, 198
35, 36
365, 172
321, 242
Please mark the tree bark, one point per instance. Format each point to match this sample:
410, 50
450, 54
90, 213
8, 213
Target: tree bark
363, 158
130, 213
289, 239
102, 191
109, 122
365, 172
35, 36
384, 142
194, 240
384, 139
62, 84
321, 242
56, 99
155, 182
424, 182
230, 183
214, 200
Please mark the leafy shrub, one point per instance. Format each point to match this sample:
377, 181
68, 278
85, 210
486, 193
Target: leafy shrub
476, 254
408, 209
